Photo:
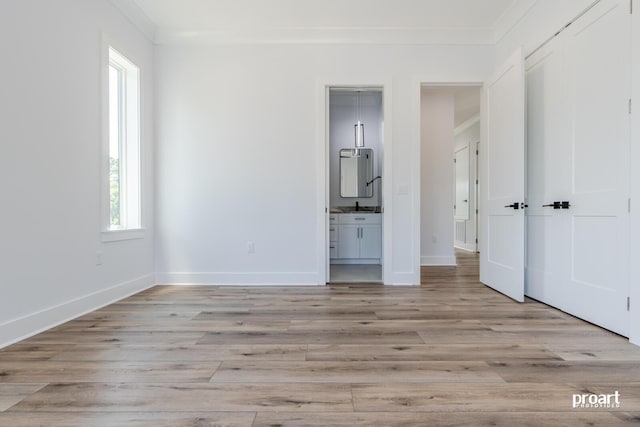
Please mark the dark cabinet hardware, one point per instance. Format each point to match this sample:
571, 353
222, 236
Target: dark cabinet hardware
515, 205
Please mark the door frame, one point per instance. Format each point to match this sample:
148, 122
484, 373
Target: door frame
322, 175
418, 84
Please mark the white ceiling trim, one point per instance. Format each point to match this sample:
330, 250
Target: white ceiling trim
332, 35
386, 36
138, 18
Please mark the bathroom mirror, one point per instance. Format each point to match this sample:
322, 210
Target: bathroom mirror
356, 170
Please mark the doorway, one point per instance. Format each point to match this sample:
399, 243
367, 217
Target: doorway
449, 139
355, 173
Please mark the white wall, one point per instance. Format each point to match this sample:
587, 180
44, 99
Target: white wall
634, 330
342, 119
437, 182
468, 136
542, 21
50, 152
237, 143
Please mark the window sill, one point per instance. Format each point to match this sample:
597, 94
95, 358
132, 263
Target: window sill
120, 235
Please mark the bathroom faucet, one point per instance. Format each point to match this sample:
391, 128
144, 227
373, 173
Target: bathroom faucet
371, 182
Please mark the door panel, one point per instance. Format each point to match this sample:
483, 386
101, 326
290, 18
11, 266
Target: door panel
578, 87
548, 177
502, 175
598, 77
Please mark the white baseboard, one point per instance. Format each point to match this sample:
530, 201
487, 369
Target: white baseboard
24, 327
469, 247
404, 279
240, 279
359, 261
438, 261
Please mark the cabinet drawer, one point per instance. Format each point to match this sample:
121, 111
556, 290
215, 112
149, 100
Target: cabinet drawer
333, 219
360, 219
333, 233
333, 250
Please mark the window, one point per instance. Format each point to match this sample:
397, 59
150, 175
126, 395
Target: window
124, 143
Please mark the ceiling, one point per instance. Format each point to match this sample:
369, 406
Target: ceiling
325, 21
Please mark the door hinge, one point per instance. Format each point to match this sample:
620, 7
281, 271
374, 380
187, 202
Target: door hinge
476, 211
628, 303
454, 160
476, 241
630, 105
629, 205
477, 152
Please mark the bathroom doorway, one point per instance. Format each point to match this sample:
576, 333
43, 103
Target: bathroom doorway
355, 172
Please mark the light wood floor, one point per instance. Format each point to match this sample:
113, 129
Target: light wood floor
450, 352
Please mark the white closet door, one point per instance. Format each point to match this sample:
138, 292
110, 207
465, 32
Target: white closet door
547, 174
502, 180
598, 78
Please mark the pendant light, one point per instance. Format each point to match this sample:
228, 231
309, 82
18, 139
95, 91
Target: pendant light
359, 126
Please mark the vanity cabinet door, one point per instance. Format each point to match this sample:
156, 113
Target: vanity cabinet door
349, 241
370, 241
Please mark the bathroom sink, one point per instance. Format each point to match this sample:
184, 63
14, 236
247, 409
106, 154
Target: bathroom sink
352, 209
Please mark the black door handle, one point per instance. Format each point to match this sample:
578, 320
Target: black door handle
513, 205
558, 205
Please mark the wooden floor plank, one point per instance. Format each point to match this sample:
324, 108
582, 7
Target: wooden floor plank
425, 352
22, 351
99, 397
440, 419
302, 337
116, 337
127, 419
185, 354
102, 371
355, 372
10, 394
441, 397
548, 371
595, 351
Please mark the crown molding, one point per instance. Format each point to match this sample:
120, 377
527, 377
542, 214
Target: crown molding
381, 36
138, 18
330, 35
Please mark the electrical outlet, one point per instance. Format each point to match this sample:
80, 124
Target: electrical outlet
251, 247
98, 258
